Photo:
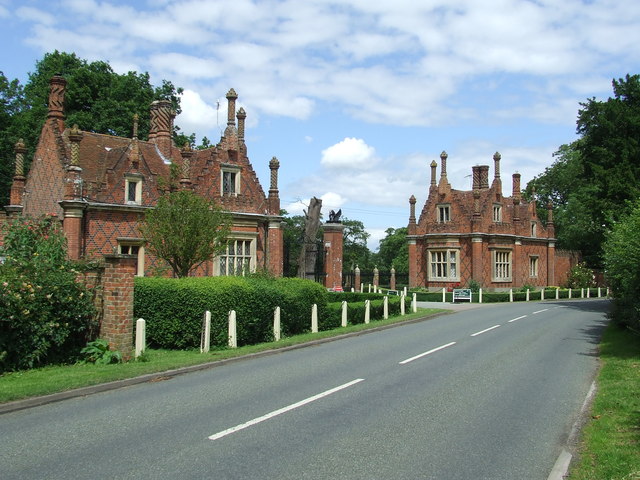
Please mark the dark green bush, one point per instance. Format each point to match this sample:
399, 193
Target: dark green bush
46, 316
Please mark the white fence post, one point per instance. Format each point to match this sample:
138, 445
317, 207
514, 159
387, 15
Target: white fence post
141, 337
479, 296
233, 330
385, 307
344, 313
414, 303
314, 318
511, 295
542, 294
367, 311
598, 292
444, 295
582, 293
588, 292
527, 294
205, 341
557, 293
277, 331
402, 297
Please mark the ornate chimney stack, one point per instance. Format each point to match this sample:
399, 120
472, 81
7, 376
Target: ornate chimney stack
434, 165
134, 153
57, 87
242, 115
551, 231
497, 182
412, 215
185, 174
274, 198
444, 185
515, 195
161, 128
73, 180
232, 96
17, 187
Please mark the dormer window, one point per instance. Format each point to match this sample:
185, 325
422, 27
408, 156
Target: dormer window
133, 190
230, 180
444, 213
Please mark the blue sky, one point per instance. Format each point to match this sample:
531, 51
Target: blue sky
356, 98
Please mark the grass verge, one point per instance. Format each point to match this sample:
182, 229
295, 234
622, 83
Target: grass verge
54, 379
610, 442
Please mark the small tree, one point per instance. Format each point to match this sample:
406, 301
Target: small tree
185, 230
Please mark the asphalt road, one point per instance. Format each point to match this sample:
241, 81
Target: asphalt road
483, 393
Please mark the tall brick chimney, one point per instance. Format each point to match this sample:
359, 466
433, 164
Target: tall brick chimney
57, 87
161, 129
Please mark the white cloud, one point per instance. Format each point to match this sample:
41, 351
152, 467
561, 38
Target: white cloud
351, 153
35, 15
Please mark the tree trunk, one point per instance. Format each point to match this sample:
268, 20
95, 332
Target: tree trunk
309, 250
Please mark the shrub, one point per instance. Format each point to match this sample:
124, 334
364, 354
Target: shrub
581, 276
174, 308
46, 316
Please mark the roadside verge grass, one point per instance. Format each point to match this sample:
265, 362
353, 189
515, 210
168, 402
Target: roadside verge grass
609, 447
54, 379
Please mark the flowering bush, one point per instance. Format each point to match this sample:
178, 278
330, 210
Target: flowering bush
46, 316
581, 276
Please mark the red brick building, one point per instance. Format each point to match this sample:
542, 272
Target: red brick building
481, 235
101, 185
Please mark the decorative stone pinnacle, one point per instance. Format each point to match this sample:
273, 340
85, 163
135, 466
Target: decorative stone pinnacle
412, 200
75, 135
444, 155
241, 113
20, 147
497, 156
274, 163
231, 94
20, 150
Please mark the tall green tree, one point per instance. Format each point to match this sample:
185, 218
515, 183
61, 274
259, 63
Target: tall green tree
394, 250
592, 179
97, 99
185, 230
354, 249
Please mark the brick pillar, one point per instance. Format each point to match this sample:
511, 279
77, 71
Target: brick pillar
333, 250
117, 319
517, 264
476, 260
376, 277
392, 281
414, 261
551, 263
73, 212
357, 280
275, 251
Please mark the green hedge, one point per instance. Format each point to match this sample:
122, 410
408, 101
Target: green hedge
174, 308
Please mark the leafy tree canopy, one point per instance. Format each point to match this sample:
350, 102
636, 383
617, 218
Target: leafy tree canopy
593, 178
185, 230
394, 250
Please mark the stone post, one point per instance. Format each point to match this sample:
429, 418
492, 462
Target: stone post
392, 281
356, 282
376, 278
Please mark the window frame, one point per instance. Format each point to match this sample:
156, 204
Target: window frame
501, 270
497, 213
126, 246
443, 264
443, 213
252, 257
136, 180
235, 171
534, 265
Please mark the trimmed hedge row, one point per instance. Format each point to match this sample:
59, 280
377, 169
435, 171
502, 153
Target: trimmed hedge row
174, 308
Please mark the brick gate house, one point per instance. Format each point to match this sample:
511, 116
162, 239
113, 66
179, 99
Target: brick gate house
481, 235
101, 185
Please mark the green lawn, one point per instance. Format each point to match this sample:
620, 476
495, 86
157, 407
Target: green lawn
44, 381
610, 442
